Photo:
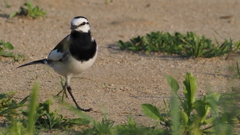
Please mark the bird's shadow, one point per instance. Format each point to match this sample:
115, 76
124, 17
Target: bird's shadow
115, 49
3, 15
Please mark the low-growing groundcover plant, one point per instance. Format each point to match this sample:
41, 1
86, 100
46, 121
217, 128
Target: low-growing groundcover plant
214, 113
4, 46
188, 45
48, 120
30, 11
8, 106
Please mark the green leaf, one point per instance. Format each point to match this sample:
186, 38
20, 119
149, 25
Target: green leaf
8, 45
209, 121
151, 111
1, 49
203, 109
79, 121
212, 100
24, 100
13, 14
190, 87
46, 105
7, 54
184, 117
32, 109
173, 83
131, 122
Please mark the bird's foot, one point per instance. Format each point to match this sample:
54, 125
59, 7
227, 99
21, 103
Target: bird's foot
85, 110
70, 92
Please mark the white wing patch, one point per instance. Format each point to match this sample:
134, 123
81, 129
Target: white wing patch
55, 55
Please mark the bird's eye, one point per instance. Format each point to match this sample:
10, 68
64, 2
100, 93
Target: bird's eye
83, 23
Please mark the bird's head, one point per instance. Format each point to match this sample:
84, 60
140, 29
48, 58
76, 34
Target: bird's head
80, 24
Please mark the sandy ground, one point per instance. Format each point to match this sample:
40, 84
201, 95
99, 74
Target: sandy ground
120, 81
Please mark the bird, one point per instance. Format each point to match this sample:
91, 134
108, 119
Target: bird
73, 55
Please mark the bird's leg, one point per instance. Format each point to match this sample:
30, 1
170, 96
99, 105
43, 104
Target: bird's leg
65, 91
70, 92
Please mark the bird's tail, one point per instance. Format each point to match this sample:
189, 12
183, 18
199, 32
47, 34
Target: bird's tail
43, 61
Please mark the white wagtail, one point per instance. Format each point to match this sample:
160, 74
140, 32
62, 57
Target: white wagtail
73, 55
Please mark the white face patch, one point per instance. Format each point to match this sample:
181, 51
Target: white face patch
78, 21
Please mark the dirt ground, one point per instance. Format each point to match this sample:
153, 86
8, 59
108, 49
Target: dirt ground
120, 81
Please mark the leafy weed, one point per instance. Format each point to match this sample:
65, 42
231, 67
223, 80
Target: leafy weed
190, 115
30, 11
8, 106
187, 45
8, 46
6, 4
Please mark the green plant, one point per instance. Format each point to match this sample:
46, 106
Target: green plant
189, 44
3, 47
36, 116
189, 115
211, 114
8, 46
131, 128
29, 10
6, 4
229, 101
8, 106
202, 47
236, 47
63, 91
108, 1
99, 128
17, 126
46, 119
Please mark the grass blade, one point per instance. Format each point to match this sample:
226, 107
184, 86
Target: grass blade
32, 109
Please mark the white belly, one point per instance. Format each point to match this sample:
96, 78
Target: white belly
71, 66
